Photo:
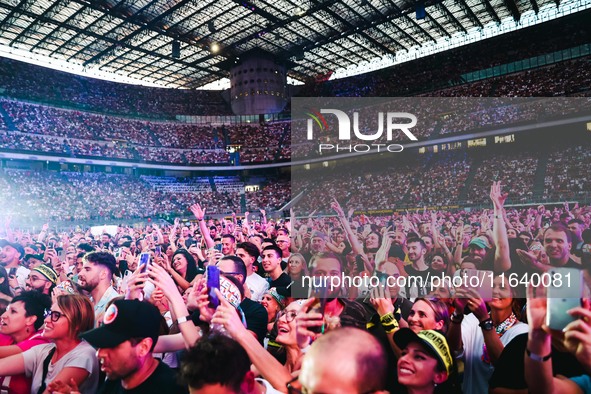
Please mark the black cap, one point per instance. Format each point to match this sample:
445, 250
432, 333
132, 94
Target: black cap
19, 248
123, 320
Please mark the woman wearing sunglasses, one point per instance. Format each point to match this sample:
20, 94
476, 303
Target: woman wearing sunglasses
67, 357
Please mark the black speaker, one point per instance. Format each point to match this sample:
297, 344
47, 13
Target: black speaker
176, 49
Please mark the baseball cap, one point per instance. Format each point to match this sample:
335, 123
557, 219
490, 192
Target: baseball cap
19, 248
123, 320
33, 256
480, 242
434, 341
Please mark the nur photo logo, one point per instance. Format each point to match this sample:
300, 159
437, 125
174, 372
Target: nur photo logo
388, 123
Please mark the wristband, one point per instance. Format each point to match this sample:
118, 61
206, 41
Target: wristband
537, 357
183, 319
389, 323
387, 318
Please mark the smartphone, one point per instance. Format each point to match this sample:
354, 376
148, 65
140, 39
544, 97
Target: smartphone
158, 250
360, 264
218, 247
117, 254
239, 222
144, 261
481, 281
562, 295
213, 282
320, 293
12, 271
51, 245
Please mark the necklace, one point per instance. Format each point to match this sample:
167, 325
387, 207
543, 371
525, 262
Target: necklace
500, 330
506, 324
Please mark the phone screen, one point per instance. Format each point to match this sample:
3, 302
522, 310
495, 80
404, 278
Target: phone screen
563, 295
320, 293
144, 261
213, 282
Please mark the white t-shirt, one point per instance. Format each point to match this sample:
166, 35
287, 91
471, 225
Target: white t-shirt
478, 371
82, 356
257, 286
268, 388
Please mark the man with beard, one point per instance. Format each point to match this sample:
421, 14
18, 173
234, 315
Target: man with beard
95, 278
125, 342
419, 272
42, 279
10, 256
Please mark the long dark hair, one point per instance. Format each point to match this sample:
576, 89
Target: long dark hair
4, 286
191, 264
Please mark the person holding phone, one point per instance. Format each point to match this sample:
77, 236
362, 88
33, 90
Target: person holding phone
278, 375
539, 373
480, 337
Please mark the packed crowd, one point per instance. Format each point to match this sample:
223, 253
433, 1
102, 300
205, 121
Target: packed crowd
567, 78
47, 129
30, 82
219, 297
458, 177
445, 69
567, 178
69, 196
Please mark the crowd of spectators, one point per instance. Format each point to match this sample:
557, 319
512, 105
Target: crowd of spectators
516, 172
444, 69
566, 173
273, 320
30, 82
69, 196
46, 129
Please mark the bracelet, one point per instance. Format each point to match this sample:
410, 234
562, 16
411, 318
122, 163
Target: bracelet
390, 328
537, 357
183, 319
455, 318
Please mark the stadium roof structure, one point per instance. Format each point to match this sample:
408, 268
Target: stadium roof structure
314, 38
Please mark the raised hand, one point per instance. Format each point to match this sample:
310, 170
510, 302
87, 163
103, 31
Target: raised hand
306, 319
227, 316
197, 211
497, 196
381, 301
